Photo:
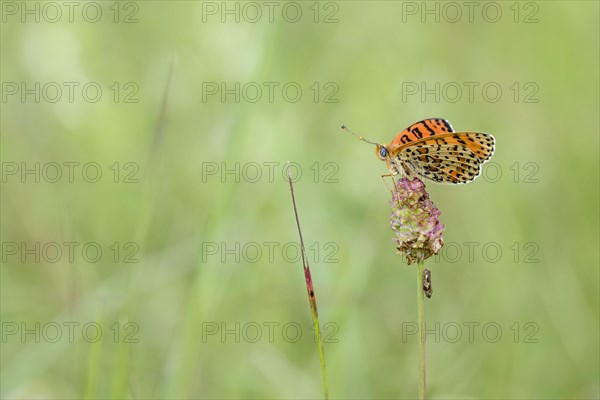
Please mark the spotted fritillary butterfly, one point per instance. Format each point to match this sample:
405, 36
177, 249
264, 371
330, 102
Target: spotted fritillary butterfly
431, 149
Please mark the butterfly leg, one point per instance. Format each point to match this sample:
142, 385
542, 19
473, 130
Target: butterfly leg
383, 176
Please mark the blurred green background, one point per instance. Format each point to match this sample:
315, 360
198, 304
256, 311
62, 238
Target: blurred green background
212, 302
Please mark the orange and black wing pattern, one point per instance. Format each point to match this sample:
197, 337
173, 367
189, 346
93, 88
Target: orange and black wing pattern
432, 150
422, 129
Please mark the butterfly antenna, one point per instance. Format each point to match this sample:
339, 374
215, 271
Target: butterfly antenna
344, 127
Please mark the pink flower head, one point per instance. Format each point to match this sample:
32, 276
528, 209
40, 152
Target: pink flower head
415, 221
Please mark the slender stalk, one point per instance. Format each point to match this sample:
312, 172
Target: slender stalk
311, 291
421, 312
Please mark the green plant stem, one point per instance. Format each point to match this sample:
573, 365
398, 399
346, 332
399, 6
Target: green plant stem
321, 352
421, 312
310, 290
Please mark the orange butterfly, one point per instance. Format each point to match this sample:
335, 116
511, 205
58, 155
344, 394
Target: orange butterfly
432, 150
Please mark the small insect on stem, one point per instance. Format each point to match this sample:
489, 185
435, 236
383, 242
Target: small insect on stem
427, 287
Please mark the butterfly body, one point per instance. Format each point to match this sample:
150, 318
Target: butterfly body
431, 149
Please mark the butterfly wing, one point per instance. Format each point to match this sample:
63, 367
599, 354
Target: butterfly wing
455, 157
422, 129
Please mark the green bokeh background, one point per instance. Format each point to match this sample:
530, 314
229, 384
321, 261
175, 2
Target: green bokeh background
545, 200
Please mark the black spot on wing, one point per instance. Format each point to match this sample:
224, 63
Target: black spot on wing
417, 132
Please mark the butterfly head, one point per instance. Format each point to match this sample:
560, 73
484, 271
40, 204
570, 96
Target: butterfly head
382, 152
